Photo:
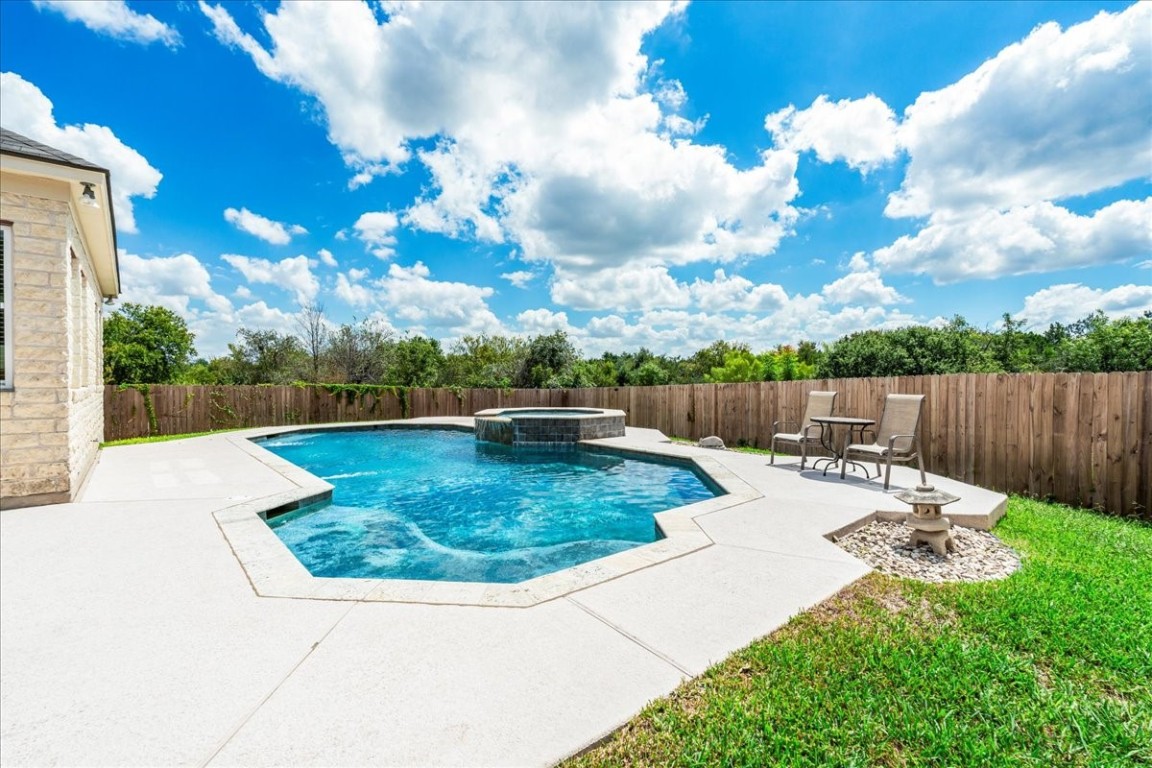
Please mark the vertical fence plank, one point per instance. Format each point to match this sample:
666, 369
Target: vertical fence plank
1144, 456
1098, 433
1017, 430
956, 427
981, 433
1115, 431
1065, 430
1133, 413
1043, 416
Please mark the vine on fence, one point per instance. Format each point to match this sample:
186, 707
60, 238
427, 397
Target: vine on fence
354, 392
149, 407
220, 405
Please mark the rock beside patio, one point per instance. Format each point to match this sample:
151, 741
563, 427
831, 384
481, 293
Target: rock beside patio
979, 555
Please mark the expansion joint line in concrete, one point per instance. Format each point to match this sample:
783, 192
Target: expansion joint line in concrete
620, 631
791, 555
252, 712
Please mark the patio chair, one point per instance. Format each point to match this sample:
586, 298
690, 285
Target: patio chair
895, 437
819, 404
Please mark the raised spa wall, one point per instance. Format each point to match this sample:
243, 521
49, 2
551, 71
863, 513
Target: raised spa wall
547, 427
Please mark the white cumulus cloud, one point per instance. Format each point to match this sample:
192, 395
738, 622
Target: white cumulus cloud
409, 294
170, 281
861, 132
520, 278
547, 128
1036, 238
28, 111
259, 316
266, 229
293, 274
418, 303
1059, 114
1070, 302
375, 229
862, 285
115, 19
622, 288
533, 322
734, 293
350, 290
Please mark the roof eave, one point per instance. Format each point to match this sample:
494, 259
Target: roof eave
98, 224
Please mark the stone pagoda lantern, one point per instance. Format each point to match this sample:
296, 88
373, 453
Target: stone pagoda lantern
927, 523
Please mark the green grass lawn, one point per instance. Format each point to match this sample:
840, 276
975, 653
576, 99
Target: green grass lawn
1050, 667
740, 448
160, 438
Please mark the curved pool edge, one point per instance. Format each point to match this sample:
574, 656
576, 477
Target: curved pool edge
273, 571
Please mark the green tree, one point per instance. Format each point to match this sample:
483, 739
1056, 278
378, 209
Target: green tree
809, 354
218, 370
415, 362
548, 363
699, 366
650, 373
146, 344
1100, 345
266, 357
1016, 349
601, 372
313, 328
741, 365
358, 352
483, 361
787, 364
912, 351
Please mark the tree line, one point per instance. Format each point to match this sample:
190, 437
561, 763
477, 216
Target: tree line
151, 344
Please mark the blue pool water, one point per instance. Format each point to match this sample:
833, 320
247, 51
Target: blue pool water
440, 505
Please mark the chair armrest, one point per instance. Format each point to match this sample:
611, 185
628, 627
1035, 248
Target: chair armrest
776, 425
894, 438
808, 429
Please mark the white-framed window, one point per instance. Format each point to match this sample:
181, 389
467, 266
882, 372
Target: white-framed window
7, 266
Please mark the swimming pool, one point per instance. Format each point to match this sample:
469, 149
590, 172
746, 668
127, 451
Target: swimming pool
438, 505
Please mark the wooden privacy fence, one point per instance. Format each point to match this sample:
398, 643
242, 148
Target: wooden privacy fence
1080, 438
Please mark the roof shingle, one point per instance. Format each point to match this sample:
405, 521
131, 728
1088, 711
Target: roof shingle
12, 143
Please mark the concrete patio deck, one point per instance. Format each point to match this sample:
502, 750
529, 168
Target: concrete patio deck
130, 634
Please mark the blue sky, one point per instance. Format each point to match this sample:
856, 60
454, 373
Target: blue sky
657, 175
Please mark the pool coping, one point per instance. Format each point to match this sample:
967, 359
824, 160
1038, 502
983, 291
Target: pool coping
273, 571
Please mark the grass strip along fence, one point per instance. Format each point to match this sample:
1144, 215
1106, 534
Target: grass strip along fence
1049, 667
1078, 438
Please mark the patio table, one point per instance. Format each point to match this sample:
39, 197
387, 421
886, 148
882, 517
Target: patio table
828, 425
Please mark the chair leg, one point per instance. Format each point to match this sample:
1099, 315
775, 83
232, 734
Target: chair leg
803, 454
772, 450
920, 461
887, 472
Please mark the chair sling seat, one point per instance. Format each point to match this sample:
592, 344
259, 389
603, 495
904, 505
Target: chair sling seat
819, 404
895, 437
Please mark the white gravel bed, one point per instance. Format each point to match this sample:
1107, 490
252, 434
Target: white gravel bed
979, 555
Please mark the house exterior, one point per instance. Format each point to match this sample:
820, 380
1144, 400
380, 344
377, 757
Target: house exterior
58, 248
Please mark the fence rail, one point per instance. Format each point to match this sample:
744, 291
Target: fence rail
1079, 438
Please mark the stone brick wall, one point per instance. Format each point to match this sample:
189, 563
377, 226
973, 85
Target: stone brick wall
50, 429
85, 362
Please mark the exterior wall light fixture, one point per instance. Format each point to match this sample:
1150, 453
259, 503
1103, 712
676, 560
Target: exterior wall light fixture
88, 196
